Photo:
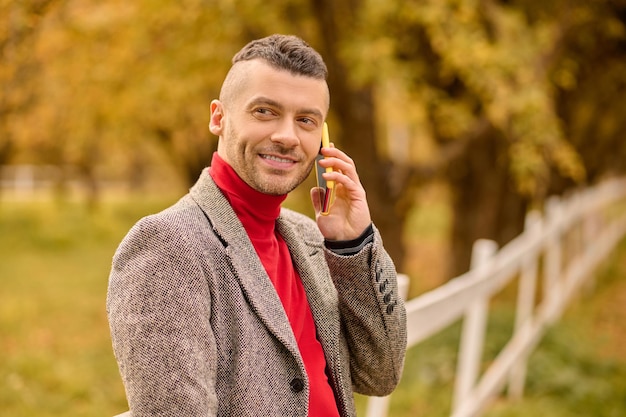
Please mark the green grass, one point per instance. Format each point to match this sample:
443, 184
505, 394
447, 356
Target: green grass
56, 357
56, 353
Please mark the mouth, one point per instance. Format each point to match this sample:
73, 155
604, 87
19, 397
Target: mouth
278, 159
279, 162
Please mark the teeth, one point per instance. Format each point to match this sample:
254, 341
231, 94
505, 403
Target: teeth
275, 158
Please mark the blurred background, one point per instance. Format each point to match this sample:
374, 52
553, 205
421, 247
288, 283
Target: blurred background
460, 114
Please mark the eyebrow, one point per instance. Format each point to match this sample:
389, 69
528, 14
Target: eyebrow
273, 103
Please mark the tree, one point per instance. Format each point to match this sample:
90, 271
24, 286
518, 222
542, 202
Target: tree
482, 101
504, 101
21, 24
180, 55
590, 79
488, 75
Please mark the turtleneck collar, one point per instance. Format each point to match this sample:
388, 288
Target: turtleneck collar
256, 211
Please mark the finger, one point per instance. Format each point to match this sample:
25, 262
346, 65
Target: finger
349, 178
331, 151
338, 160
341, 166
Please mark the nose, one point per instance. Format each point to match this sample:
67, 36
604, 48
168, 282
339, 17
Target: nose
286, 134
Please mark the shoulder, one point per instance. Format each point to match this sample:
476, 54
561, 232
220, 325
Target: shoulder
179, 226
174, 220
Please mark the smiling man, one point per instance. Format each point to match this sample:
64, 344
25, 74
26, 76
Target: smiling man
227, 304
269, 123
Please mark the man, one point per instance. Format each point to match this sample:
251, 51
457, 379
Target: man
226, 304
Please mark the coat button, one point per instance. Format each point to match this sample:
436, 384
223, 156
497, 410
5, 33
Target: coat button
296, 385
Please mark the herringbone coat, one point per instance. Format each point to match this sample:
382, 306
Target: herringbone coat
198, 329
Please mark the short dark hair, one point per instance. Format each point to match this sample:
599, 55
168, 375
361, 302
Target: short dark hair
285, 52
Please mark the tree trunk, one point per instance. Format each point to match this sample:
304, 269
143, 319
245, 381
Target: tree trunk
190, 155
485, 203
355, 109
194, 160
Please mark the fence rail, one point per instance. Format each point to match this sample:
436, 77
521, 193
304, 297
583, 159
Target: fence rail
557, 253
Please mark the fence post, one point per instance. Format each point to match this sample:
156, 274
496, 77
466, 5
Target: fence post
379, 406
590, 230
525, 302
473, 332
23, 179
552, 291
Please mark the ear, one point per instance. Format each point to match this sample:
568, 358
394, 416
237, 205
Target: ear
216, 125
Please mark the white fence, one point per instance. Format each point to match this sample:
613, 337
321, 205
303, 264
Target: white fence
569, 242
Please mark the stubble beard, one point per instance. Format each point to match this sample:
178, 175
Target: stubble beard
271, 182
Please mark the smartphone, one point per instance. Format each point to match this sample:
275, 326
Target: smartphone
327, 187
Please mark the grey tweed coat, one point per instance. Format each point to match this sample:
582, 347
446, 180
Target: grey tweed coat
198, 329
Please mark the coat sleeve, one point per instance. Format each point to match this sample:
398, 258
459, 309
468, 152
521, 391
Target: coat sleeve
158, 305
373, 316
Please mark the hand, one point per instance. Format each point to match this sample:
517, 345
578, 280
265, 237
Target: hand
349, 215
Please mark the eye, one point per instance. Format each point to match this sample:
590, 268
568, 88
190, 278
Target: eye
263, 112
307, 120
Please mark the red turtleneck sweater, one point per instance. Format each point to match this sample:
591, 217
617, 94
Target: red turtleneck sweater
258, 213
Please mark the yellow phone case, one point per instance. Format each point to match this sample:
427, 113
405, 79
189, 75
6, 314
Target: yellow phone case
328, 187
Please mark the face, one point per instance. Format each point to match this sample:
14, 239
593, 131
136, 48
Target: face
270, 127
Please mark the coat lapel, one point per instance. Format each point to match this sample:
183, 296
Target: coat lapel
247, 267
309, 260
